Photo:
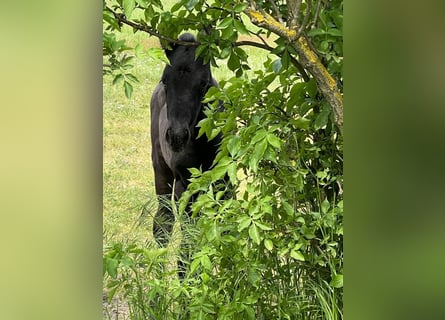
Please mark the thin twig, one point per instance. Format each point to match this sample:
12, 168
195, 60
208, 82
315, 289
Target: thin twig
261, 38
300, 68
122, 19
297, 8
277, 11
317, 12
253, 44
294, 9
305, 21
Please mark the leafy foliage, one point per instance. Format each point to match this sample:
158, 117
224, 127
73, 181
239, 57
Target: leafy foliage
265, 240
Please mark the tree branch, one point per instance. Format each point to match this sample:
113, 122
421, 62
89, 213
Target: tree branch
122, 19
317, 12
265, 46
294, 9
305, 20
308, 58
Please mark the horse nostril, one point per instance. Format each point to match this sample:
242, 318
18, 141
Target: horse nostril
186, 134
168, 135
177, 139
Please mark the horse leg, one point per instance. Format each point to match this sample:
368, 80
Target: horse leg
164, 218
184, 250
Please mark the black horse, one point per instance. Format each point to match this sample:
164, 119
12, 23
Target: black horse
176, 109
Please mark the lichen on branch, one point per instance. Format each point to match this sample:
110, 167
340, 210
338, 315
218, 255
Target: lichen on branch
307, 57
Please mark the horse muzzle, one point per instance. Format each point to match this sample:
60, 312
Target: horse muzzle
177, 138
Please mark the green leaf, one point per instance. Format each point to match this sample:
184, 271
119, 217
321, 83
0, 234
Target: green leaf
311, 88
297, 255
111, 293
195, 172
301, 123
111, 267
285, 59
205, 262
241, 28
214, 133
240, 7
194, 265
335, 32
127, 261
232, 173
273, 140
126, 59
128, 6
322, 119
268, 244
241, 53
142, 3
254, 234
212, 233
316, 32
225, 23
158, 54
234, 146
205, 277
139, 50
253, 276
178, 5
191, 4
250, 312
276, 66
131, 77
219, 171
324, 46
227, 32
149, 13
263, 226
244, 222
288, 208
257, 155
109, 17
205, 126
118, 78
260, 135
325, 206
234, 62
225, 52
337, 281
128, 89
200, 50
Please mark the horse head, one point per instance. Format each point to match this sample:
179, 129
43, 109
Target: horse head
186, 81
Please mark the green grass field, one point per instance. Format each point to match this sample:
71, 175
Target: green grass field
127, 172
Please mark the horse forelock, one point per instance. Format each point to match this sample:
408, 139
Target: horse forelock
188, 37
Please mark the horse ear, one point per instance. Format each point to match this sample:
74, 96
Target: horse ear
168, 47
169, 53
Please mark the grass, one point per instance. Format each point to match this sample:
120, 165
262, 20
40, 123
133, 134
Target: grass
127, 175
